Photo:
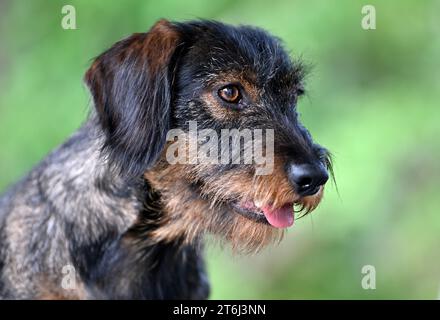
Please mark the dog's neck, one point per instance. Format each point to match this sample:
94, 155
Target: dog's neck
121, 257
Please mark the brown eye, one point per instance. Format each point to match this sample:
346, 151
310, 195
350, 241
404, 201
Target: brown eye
230, 94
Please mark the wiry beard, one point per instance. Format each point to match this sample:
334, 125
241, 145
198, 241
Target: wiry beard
191, 212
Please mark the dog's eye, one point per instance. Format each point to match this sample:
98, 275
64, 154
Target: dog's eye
230, 94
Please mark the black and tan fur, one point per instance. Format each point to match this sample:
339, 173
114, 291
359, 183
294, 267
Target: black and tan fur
107, 202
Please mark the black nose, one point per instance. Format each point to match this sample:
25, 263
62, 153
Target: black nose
307, 178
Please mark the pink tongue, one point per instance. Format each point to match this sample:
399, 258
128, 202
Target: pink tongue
279, 218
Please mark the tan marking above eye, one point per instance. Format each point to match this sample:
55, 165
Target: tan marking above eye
230, 93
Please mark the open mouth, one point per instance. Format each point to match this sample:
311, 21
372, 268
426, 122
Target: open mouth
282, 217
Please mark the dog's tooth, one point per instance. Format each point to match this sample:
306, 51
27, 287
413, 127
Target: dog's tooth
258, 203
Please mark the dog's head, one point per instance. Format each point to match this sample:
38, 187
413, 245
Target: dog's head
177, 101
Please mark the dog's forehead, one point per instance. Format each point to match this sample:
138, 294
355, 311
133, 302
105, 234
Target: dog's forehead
247, 51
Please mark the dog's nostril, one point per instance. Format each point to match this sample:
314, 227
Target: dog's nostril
304, 182
307, 178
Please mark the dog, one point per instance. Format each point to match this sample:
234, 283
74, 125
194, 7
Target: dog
107, 208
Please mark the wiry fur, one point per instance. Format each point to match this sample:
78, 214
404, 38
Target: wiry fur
109, 204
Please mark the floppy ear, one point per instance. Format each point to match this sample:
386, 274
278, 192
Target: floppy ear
131, 84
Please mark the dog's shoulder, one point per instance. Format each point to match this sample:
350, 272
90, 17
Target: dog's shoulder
69, 201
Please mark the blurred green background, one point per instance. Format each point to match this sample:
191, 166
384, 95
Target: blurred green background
373, 100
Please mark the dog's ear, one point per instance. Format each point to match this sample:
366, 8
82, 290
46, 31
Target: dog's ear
131, 84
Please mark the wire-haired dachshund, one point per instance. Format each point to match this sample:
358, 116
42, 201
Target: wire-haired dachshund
111, 213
